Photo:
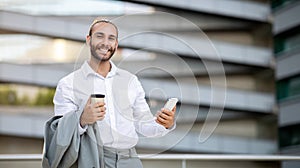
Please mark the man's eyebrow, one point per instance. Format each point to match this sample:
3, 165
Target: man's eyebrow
100, 33
113, 36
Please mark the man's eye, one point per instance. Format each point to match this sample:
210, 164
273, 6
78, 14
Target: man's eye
111, 38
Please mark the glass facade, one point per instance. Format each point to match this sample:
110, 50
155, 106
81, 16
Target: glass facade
288, 88
287, 44
280, 3
284, 43
289, 135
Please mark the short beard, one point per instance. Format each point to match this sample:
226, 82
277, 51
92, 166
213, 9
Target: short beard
94, 54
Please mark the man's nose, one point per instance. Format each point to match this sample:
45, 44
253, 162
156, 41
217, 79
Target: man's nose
105, 41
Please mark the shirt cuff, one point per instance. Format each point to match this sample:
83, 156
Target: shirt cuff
172, 128
165, 130
82, 130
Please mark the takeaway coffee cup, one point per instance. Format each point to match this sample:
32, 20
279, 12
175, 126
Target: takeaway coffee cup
95, 98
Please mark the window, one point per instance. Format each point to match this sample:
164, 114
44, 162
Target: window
288, 88
280, 3
289, 136
283, 43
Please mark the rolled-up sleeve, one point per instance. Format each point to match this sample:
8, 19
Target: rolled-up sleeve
145, 122
64, 102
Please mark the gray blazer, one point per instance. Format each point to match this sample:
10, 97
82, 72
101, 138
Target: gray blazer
64, 147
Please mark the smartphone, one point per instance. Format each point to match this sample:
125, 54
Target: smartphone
171, 103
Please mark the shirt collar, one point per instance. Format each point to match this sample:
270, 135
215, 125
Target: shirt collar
87, 70
114, 70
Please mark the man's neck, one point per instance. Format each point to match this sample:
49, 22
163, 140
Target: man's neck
101, 67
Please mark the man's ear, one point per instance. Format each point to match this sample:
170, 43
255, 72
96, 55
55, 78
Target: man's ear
117, 44
87, 40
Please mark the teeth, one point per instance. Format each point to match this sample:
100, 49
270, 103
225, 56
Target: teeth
103, 50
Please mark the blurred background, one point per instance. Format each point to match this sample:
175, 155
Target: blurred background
258, 42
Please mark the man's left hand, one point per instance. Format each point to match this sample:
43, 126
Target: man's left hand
166, 117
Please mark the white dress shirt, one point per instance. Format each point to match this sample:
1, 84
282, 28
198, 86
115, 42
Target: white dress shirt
127, 111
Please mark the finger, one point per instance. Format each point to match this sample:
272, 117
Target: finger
159, 122
89, 101
102, 109
157, 113
98, 104
99, 110
88, 104
165, 123
162, 120
167, 112
100, 118
164, 116
102, 114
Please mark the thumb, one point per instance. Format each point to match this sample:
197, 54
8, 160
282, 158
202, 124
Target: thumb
88, 101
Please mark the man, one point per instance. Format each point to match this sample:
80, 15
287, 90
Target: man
124, 113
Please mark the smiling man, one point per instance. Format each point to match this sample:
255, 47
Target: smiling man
123, 114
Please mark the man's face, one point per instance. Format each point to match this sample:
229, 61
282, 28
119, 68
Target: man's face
103, 41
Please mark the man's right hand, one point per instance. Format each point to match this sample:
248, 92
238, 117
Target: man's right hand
92, 113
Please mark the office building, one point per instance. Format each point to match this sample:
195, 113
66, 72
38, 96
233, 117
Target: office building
216, 56
286, 48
